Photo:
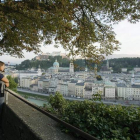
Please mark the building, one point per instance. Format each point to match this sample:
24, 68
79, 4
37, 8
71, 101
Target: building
26, 82
88, 93
34, 87
63, 89
137, 69
58, 70
121, 91
106, 69
29, 73
110, 90
45, 56
79, 90
124, 70
71, 88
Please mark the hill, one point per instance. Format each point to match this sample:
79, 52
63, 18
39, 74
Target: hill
116, 63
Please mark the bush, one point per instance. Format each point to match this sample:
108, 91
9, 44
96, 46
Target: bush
57, 102
105, 122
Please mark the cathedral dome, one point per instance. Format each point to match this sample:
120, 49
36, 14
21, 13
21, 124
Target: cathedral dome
55, 64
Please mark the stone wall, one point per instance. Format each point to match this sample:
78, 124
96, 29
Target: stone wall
23, 122
14, 128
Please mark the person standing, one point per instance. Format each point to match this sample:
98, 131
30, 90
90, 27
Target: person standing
3, 82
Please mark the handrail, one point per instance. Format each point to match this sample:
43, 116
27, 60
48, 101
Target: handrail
69, 126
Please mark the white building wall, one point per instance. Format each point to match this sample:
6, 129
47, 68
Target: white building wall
109, 92
121, 92
71, 89
79, 91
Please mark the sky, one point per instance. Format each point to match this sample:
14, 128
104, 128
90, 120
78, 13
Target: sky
128, 34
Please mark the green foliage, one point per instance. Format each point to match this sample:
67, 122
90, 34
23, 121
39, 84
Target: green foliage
26, 96
79, 64
12, 83
97, 96
99, 78
57, 102
119, 63
78, 25
16, 79
45, 64
105, 122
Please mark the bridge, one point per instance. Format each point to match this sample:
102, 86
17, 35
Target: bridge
22, 120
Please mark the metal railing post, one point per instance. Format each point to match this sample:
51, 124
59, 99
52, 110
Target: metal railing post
6, 97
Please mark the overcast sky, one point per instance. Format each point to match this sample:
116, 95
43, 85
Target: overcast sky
128, 34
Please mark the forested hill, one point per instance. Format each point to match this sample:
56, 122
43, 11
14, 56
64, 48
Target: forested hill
116, 64
45, 64
128, 63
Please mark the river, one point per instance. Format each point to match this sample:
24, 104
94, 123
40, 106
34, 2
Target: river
37, 102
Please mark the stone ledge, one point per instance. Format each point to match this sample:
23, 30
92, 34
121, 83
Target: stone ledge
22, 122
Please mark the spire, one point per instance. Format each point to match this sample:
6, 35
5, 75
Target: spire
132, 78
107, 64
86, 68
133, 75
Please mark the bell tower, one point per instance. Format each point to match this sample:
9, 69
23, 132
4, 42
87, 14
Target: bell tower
71, 69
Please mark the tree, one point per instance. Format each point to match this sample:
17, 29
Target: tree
78, 25
16, 80
57, 101
99, 78
12, 83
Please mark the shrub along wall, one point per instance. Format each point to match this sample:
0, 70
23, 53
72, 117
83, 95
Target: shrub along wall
106, 122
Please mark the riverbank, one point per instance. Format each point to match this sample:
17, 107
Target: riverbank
33, 96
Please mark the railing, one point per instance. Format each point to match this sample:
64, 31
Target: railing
72, 128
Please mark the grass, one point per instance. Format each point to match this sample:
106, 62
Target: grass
33, 95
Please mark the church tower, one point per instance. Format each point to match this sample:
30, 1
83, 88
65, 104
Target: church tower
132, 78
86, 69
71, 69
39, 70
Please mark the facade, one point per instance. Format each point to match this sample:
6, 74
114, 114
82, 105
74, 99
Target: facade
88, 93
45, 56
28, 73
64, 89
25, 82
110, 90
121, 91
46, 85
52, 90
34, 87
79, 90
133, 93
40, 85
124, 70
137, 69
71, 88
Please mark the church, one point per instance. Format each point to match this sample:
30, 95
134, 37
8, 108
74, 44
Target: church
56, 69
106, 69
